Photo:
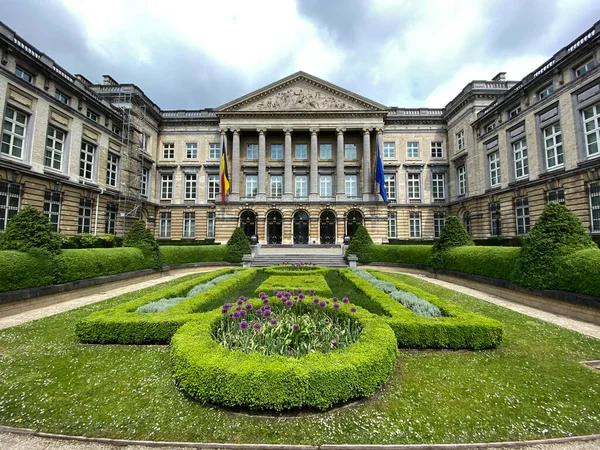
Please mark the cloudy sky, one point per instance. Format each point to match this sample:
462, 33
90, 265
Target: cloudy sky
187, 54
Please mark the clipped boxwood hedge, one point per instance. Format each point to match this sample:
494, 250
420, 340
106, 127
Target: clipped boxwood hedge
20, 270
494, 262
580, 272
122, 325
210, 372
401, 254
457, 329
288, 271
296, 281
193, 253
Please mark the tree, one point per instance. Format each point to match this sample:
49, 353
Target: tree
237, 246
360, 245
453, 235
141, 237
30, 229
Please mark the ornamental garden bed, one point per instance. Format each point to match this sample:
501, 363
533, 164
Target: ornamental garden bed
52, 380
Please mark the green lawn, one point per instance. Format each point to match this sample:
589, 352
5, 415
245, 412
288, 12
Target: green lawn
532, 386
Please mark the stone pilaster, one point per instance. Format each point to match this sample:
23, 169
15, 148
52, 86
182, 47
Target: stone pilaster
366, 168
314, 164
340, 190
235, 166
262, 166
288, 193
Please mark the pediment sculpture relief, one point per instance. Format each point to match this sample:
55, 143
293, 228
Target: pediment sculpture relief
300, 99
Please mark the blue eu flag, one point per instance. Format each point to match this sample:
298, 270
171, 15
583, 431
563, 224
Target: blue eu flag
379, 176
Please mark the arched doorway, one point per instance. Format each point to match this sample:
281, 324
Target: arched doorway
248, 223
301, 227
274, 227
327, 227
354, 219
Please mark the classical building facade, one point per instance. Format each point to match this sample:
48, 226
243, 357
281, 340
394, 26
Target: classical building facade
301, 155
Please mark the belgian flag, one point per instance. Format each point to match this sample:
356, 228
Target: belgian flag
224, 169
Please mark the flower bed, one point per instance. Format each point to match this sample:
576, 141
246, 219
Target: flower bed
307, 283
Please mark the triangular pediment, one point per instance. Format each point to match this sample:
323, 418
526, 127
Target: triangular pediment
300, 92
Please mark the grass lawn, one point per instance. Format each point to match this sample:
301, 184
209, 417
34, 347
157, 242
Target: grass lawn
532, 386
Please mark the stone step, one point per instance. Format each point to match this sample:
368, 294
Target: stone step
321, 260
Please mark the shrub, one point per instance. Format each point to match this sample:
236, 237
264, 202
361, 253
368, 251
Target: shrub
237, 246
580, 272
401, 254
298, 280
29, 229
186, 242
192, 254
494, 262
141, 237
557, 233
453, 235
90, 241
360, 245
20, 270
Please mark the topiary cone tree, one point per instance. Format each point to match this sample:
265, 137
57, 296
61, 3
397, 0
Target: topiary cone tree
29, 229
453, 235
142, 237
237, 246
557, 233
360, 245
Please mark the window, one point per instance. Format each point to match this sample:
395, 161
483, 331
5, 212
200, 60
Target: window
325, 151
494, 168
591, 124
191, 150
392, 225
116, 130
495, 222
13, 132
84, 220
23, 74
350, 151
111, 218
301, 151
438, 189
51, 208
61, 97
390, 186
86, 160
557, 195
414, 187
191, 182
585, 67
553, 146
490, 127
460, 140
414, 225
412, 149
437, 150
91, 115
439, 220
545, 92
594, 207
461, 175
214, 186
145, 142
467, 222
276, 186
166, 186
210, 225
144, 181
351, 185
168, 151
165, 224
514, 112
251, 185
55, 144
389, 150
522, 215
301, 187
325, 186
112, 170
214, 151
276, 151
252, 151
189, 224
10, 198
521, 164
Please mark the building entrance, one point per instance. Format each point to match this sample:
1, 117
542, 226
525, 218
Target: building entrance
301, 227
248, 223
327, 227
274, 227
353, 221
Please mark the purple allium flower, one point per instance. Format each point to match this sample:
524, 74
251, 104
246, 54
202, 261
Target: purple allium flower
242, 298
334, 343
267, 307
322, 304
262, 294
227, 306
301, 296
243, 325
336, 306
243, 313
327, 301
345, 300
353, 309
316, 301
289, 303
238, 308
224, 311
249, 306
299, 291
239, 302
312, 292
266, 313
295, 328
335, 299
257, 326
308, 308
236, 315
273, 322
259, 312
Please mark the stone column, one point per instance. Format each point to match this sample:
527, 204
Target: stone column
366, 169
288, 193
235, 166
314, 165
340, 190
262, 166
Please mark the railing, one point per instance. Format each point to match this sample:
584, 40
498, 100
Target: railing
27, 48
181, 114
416, 112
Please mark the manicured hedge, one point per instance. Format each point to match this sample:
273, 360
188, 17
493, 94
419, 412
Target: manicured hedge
457, 329
494, 262
122, 325
296, 281
20, 270
192, 254
95, 262
401, 254
212, 373
288, 271
580, 272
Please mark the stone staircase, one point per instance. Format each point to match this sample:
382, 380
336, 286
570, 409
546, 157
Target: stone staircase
329, 256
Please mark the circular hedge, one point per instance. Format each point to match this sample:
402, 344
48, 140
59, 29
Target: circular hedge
214, 374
